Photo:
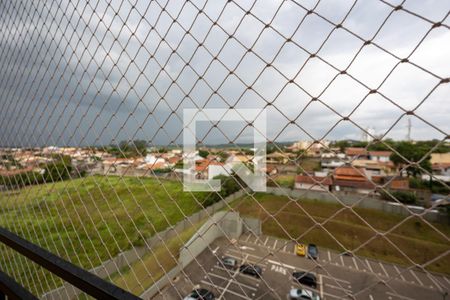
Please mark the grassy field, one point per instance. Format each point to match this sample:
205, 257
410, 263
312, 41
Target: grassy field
283, 181
289, 219
89, 220
161, 261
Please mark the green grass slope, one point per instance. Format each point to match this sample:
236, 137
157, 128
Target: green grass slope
89, 220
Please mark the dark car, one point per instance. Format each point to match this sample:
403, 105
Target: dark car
252, 270
305, 279
313, 252
200, 294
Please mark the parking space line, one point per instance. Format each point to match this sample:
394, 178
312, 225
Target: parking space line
368, 264
329, 255
275, 244
384, 270
284, 248
234, 281
398, 271
328, 295
229, 282
250, 261
265, 242
433, 280
223, 269
256, 280
354, 261
370, 297
248, 237
342, 260
260, 259
321, 286
225, 290
281, 264
415, 276
337, 287
399, 296
446, 279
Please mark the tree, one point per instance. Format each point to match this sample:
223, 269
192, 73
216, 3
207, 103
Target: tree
413, 153
127, 149
203, 153
59, 169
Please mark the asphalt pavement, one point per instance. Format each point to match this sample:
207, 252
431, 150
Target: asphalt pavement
338, 276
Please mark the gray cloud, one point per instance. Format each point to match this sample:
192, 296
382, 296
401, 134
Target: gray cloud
83, 73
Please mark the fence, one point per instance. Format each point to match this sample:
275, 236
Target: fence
358, 200
125, 259
97, 98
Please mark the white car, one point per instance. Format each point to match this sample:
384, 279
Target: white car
303, 294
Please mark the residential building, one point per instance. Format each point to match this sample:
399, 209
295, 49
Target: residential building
381, 156
314, 183
348, 178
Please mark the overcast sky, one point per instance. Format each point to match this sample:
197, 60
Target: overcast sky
78, 73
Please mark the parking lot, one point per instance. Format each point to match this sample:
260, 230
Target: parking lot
338, 276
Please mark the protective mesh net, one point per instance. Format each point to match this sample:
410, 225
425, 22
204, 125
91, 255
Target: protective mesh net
92, 95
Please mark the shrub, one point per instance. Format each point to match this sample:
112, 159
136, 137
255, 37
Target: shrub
402, 196
229, 185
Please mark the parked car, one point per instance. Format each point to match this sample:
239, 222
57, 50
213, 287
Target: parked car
252, 270
313, 252
230, 262
300, 249
200, 294
305, 279
302, 294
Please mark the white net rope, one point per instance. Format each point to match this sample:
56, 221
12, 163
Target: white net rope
92, 95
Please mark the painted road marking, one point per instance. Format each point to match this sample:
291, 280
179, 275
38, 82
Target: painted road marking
384, 270
370, 297
275, 245
329, 255
234, 282
258, 258
215, 250
265, 242
328, 295
281, 264
225, 290
433, 280
321, 286
256, 280
342, 260
228, 285
337, 287
279, 269
399, 296
415, 276
246, 248
446, 279
297, 268
354, 261
398, 271
284, 248
248, 237
370, 267
223, 269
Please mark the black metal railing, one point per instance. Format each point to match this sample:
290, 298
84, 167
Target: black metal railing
80, 278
